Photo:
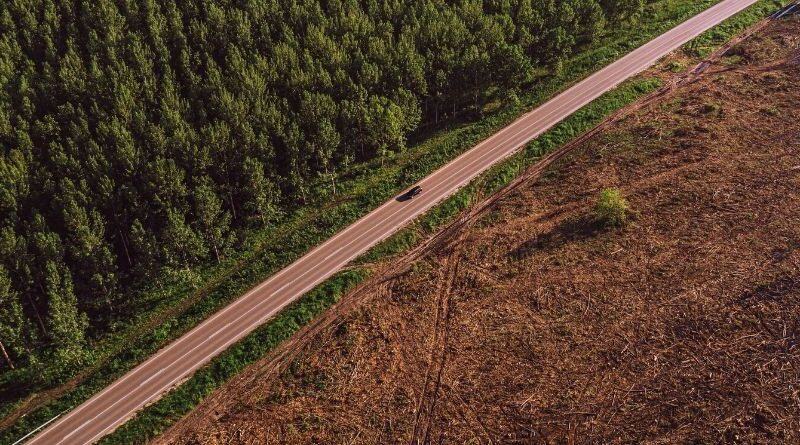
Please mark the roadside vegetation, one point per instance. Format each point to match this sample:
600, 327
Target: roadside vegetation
187, 293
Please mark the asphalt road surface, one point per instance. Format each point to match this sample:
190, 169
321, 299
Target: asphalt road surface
147, 382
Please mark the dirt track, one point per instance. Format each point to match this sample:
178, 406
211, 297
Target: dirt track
537, 325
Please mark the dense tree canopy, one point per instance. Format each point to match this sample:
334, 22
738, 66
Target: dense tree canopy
137, 135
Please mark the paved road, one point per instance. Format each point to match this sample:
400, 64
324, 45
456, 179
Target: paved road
112, 406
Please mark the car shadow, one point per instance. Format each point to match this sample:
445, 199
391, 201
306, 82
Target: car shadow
403, 198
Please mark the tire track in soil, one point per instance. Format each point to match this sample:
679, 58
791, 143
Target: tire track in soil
468, 415
432, 385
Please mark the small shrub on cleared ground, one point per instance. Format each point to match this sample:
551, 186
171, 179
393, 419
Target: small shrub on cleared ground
612, 208
711, 109
676, 67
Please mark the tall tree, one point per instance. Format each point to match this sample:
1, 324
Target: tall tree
11, 319
262, 194
181, 246
619, 10
67, 324
212, 221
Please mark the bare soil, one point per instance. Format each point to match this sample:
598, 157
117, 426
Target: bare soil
536, 324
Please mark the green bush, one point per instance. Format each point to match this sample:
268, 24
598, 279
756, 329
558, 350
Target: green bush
676, 67
612, 208
711, 109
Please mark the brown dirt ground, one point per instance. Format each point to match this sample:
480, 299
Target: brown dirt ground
537, 325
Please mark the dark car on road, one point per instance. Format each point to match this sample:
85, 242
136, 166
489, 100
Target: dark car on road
416, 190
